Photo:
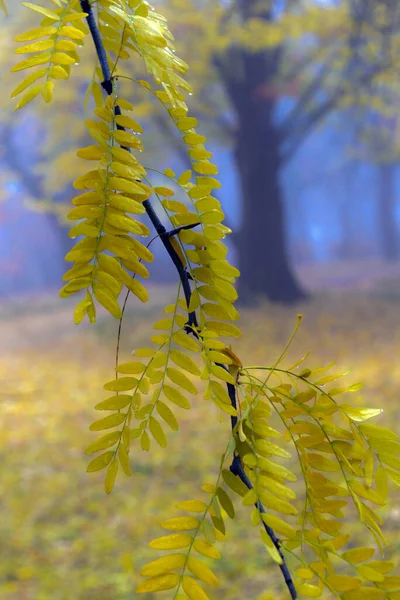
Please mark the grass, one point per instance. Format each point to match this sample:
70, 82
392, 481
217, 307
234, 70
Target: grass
61, 537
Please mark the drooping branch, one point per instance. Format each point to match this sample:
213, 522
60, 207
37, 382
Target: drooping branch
184, 276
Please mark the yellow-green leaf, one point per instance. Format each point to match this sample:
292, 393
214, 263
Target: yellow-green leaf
100, 462
173, 541
158, 584
162, 565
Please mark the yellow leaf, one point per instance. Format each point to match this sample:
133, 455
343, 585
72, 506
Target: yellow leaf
192, 506
201, 571
72, 32
370, 574
322, 464
158, 584
311, 591
369, 494
205, 548
380, 433
364, 593
343, 583
221, 373
108, 422
61, 58
110, 476
193, 589
100, 462
181, 523
180, 379
360, 414
114, 403
36, 33
35, 47
171, 542
29, 95
103, 296
131, 368
184, 340
176, 397
31, 78
157, 432
278, 525
162, 565
43, 11
47, 91
137, 289
121, 384
357, 555
184, 362
106, 441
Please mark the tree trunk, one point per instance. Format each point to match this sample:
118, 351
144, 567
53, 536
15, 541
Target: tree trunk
261, 242
387, 211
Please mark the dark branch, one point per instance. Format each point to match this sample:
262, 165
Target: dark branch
237, 469
183, 275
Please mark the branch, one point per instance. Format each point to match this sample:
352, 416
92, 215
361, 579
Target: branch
237, 469
183, 274
325, 108
159, 227
315, 85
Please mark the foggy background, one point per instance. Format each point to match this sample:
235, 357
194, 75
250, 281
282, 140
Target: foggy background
305, 133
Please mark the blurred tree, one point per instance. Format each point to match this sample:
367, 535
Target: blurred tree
313, 54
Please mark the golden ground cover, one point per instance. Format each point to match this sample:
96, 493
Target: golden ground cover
61, 537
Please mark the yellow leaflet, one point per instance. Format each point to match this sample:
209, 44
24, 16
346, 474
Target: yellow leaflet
43, 11
361, 490
171, 542
308, 590
357, 555
193, 589
163, 565
364, 593
370, 574
270, 547
278, 525
206, 549
304, 573
157, 432
104, 297
322, 464
166, 414
108, 422
28, 81
34, 34
343, 583
110, 476
121, 384
176, 397
106, 441
29, 95
360, 414
114, 403
184, 362
100, 462
180, 379
201, 571
131, 368
181, 523
158, 584
72, 32
145, 441
192, 506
